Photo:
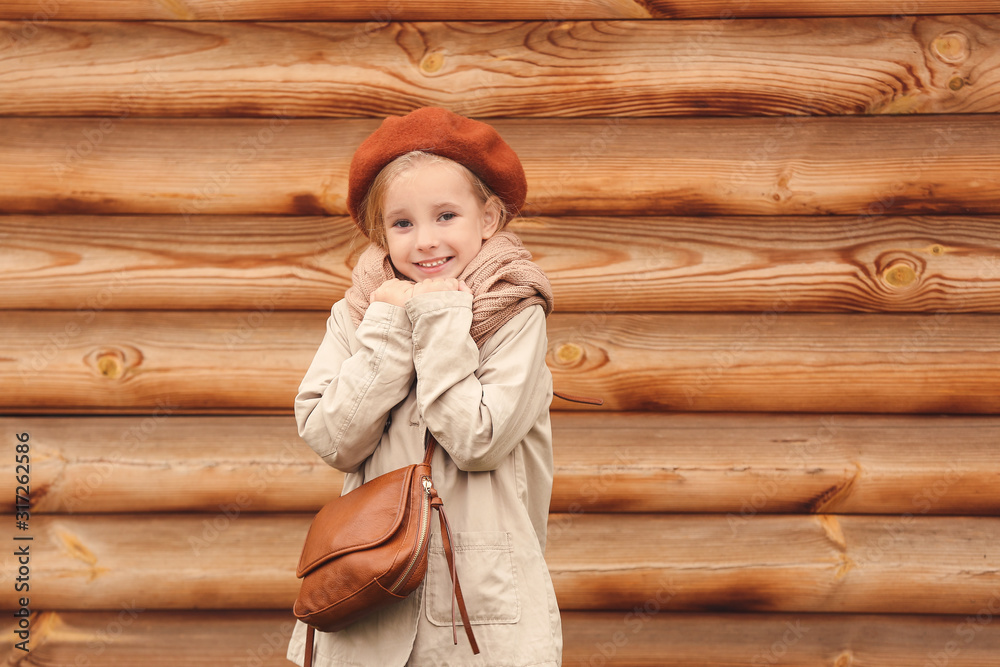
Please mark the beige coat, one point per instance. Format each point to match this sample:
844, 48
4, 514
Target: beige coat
363, 406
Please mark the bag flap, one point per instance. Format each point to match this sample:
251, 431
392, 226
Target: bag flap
363, 518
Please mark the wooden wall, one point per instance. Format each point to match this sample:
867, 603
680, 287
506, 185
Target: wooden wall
773, 231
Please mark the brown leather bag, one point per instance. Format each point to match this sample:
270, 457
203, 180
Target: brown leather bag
368, 549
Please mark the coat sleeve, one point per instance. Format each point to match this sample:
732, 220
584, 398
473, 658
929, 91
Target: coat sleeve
478, 405
344, 399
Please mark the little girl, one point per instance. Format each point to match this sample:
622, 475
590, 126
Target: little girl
443, 329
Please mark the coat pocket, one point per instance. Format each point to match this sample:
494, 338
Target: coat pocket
485, 564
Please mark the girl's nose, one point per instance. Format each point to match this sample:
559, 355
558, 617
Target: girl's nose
426, 236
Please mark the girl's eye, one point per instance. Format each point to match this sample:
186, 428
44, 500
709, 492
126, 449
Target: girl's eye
401, 223
447, 216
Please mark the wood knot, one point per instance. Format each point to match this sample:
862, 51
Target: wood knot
899, 275
956, 83
111, 362
110, 366
845, 659
75, 547
937, 249
569, 353
951, 47
432, 62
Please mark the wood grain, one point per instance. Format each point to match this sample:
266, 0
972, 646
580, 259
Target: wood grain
379, 11
154, 362
816, 264
826, 563
168, 463
750, 67
739, 464
239, 361
648, 638
749, 464
864, 167
775, 362
606, 264
667, 264
172, 263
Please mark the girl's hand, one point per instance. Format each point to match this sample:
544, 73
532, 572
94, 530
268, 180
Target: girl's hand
441, 285
394, 291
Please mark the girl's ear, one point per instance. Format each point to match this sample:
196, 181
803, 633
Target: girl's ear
491, 217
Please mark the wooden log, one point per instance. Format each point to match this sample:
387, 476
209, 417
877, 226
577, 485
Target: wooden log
198, 263
620, 264
133, 635
795, 362
828, 66
825, 563
127, 361
742, 465
164, 464
748, 464
864, 166
379, 11
650, 638
823, 264
647, 638
171, 363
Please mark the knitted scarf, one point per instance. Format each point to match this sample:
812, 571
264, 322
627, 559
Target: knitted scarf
503, 279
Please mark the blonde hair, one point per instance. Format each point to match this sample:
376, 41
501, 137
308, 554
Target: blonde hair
372, 209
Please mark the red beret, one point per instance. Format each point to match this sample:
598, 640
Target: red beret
433, 130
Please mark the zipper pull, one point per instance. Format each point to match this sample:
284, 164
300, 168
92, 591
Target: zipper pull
427, 486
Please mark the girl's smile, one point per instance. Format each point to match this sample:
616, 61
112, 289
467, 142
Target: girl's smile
434, 264
435, 224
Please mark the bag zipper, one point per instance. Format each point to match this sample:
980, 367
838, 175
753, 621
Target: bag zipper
424, 525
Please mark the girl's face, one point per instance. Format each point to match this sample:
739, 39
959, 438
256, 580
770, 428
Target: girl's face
434, 222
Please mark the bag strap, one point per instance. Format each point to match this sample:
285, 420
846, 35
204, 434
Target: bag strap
429, 443
578, 399
310, 632
449, 551
456, 586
